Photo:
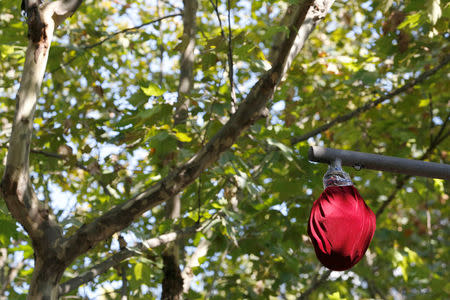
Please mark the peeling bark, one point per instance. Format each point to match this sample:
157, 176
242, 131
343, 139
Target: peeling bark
36, 27
16, 188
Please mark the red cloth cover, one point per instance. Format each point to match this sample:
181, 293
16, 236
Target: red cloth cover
341, 227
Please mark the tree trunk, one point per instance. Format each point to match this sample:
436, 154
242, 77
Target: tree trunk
172, 282
46, 277
18, 193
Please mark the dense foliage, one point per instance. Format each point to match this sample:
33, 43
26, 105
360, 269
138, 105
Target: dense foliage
104, 131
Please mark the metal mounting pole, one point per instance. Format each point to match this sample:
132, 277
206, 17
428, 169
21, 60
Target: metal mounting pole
380, 162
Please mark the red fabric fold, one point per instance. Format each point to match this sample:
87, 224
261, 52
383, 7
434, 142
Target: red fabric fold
341, 227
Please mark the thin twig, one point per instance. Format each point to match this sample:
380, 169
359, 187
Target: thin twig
441, 134
135, 28
374, 290
370, 105
77, 164
216, 10
96, 270
230, 52
107, 38
230, 61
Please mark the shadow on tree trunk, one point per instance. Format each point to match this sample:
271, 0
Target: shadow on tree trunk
172, 284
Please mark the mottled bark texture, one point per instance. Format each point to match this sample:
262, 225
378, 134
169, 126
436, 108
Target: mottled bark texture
16, 188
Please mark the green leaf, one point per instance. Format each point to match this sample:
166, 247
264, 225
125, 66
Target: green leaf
183, 137
138, 98
8, 230
411, 21
138, 271
153, 90
272, 30
335, 296
368, 78
424, 102
202, 259
6, 50
209, 60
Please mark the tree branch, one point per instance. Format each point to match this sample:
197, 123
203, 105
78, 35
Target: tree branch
121, 256
126, 30
400, 182
250, 110
316, 14
78, 164
192, 262
343, 118
172, 283
16, 187
374, 290
96, 270
186, 61
17, 190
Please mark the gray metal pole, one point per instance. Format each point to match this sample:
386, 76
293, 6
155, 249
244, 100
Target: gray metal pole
380, 162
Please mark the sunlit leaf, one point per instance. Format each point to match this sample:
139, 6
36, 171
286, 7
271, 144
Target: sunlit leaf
153, 90
183, 137
138, 271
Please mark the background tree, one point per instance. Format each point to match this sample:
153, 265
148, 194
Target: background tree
115, 136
